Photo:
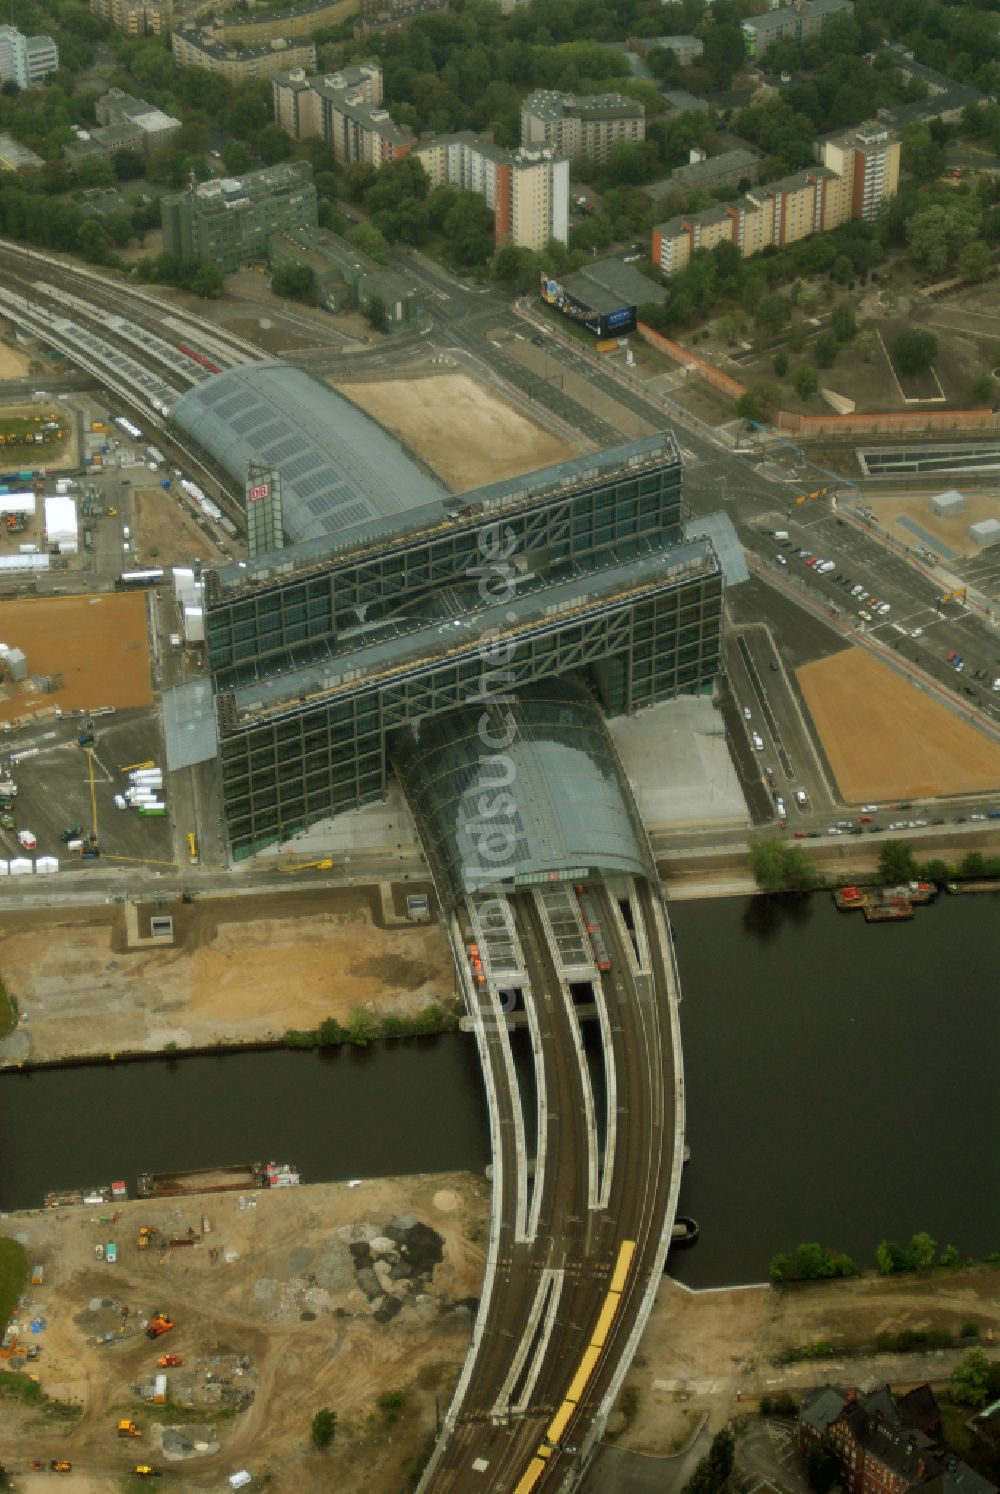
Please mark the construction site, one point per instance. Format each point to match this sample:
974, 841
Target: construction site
199, 1337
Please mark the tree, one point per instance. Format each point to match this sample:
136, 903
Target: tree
362, 1027
128, 164
368, 240
969, 1383
468, 229
983, 389
329, 1033
797, 336
896, 863
921, 1252
374, 312
780, 868
324, 1426
866, 345
780, 363
92, 242
825, 350
806, 381
889, 1257
236, 157
822, 1468
208, 282
772, 314
975, 262
922, 156
914, 350
843, 322
749, 407
295, 283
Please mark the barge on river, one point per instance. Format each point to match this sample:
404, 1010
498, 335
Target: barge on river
885, 904
61, 1198
237, 1179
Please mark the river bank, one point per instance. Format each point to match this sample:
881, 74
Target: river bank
238, 971
359, 1298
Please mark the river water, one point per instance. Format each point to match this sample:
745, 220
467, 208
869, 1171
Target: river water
841, 1087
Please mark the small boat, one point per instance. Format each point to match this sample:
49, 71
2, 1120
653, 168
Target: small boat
684, 1232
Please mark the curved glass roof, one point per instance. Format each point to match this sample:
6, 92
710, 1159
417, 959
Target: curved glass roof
339, 469
519, 789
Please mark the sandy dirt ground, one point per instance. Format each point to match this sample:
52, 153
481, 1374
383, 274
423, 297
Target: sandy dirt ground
278, 1311
464, 431
241, 970
98, 644
13, 365
166, 533
886, 739
709, 1354
952, 532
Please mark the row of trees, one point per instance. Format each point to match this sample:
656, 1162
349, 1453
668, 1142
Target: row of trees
778, 866
812, 1263
364, 1028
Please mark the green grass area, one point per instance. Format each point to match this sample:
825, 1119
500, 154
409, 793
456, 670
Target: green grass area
13, 1275
8, 1011
18, 447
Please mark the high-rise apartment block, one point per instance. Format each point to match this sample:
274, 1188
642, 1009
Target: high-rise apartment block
228, 222
796, 22
858, 170
345, 110
136, 17
26, 60
527, 190
581, 124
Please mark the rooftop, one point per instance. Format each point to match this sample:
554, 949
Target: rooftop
548, 103
607, 284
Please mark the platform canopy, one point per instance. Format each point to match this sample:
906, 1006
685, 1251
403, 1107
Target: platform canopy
520, 791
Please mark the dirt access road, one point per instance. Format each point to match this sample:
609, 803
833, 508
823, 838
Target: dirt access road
278, 1310
242, 968
706, 1355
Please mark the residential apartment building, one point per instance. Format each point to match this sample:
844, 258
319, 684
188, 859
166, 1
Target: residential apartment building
17, 157
345, 110
155, 128
229, 222
885, 1445
209, 51
527, 189
26, 60
796, 22
687, 49
858, 171
136, 17
273, 25
380, 16
728, 169
580, 124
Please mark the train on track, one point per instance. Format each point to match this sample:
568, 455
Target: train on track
592, 922
555, 1434
198, 358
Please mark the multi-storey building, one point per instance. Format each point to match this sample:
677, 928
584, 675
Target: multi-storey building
154, 127
210, 51
859, 171
136, 17
884, 1444
26, 60
730, 168
375, 615
796, 22
228, 222
17, 157
380, 16
687, 49
527, 190
273, 25
345, 110
346, 278
581, 124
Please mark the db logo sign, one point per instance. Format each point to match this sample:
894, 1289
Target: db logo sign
262, 490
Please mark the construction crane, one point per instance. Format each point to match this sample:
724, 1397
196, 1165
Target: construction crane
324, 865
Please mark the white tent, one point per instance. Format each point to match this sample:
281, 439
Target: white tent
60, 521
46, 865
21, 867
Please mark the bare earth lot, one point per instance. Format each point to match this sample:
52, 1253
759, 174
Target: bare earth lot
274, 1319
243, 968
13, 365
711, 1353
952, 532
97, 643
885, 739
465, 432
166, 533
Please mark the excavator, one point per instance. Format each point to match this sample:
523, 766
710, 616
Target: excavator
128, 1428
158, 1324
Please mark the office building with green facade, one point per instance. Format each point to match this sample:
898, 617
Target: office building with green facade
394, 602
228, 221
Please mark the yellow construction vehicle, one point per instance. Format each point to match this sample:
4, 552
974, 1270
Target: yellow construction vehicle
308, 866
136, 767
146, 1233
953, 596
128, 1428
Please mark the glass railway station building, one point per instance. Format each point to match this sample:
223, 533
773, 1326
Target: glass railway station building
396, 608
